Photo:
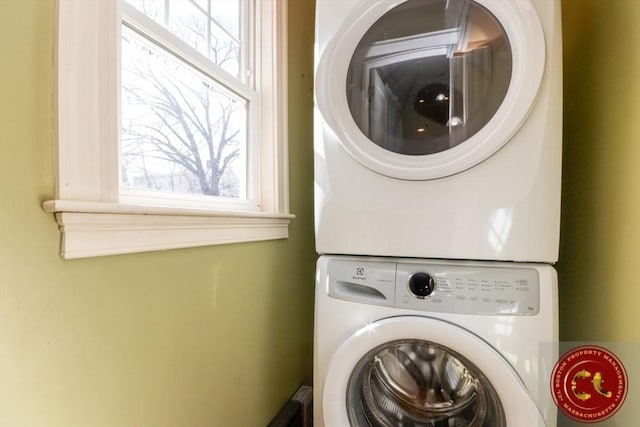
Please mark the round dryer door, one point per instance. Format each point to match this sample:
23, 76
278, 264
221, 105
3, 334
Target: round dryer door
422, 89
421, 371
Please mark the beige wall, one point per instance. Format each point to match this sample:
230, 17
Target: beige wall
217, 336
600, 243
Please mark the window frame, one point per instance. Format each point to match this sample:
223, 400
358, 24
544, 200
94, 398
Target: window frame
93, 219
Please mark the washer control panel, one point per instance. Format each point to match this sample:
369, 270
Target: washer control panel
455, 287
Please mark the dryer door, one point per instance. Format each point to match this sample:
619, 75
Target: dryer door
411, 370
423, 89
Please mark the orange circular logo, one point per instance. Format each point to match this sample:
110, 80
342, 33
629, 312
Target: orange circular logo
589, 384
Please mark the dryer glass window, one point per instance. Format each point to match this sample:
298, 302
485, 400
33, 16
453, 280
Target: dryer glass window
428, 75
420, 383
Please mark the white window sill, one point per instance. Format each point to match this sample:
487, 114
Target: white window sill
95, 229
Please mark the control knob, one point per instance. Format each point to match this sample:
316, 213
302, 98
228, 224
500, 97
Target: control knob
421, 284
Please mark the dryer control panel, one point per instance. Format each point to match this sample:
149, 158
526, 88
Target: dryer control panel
446, 287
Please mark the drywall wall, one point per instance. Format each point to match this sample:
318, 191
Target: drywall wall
600, 233
600, 239
217, 336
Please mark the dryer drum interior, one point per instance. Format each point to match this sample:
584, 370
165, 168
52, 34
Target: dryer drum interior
428, 75
420, 383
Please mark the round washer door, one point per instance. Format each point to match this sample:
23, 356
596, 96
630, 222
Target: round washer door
424, 89
423, 371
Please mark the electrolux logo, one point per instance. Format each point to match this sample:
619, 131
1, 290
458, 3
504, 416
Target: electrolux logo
589, 384
360, 274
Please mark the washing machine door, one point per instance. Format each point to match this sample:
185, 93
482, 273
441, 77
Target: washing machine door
420, 371
423, 89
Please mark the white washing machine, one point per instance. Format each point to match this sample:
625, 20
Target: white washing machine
434, 343
438, 128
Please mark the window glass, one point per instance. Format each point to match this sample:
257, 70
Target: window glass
428, 75
154, 9
181, 131
189, 22
212, 27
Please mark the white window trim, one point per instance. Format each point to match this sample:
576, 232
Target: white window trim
91, 216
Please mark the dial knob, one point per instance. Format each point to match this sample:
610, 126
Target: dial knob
421, 285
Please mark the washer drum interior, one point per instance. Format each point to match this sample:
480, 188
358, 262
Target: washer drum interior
420, 383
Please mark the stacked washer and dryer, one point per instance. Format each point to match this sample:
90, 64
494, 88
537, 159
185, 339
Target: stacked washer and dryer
437, 212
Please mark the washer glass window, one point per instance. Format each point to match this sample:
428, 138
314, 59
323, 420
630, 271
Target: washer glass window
420, 383
428, 75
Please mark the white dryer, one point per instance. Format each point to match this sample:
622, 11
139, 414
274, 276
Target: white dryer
438, 128
426, 343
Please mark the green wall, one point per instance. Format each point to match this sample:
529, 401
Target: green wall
599, 268
197, 337
218, 336
600, 240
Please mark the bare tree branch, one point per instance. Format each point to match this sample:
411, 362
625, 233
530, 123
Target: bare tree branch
174, 120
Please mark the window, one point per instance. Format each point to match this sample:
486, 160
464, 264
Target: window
171, 124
